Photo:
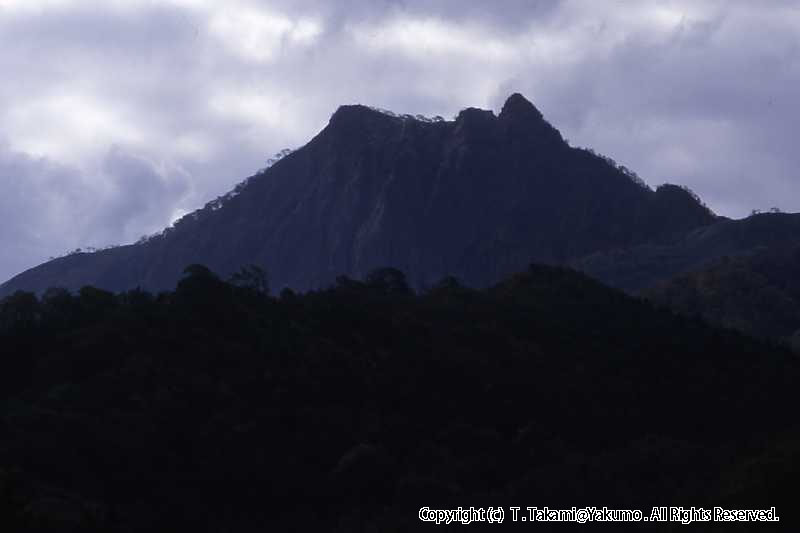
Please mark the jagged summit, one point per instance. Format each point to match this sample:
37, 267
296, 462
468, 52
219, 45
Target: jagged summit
349, 110
518, 106
525, 125
356, 113
469, 112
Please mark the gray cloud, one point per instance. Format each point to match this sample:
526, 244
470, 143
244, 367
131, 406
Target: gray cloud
119, 116
49, 208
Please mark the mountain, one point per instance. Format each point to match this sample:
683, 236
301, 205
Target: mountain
214, 407
478, 197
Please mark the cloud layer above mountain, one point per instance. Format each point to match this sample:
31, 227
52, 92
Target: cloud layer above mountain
118, 116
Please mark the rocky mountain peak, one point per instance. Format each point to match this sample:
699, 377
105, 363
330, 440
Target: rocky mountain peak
478, 198
517, 106
354, 114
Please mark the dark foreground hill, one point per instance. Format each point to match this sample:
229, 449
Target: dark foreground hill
478, 197
638, 267
217, 408
757, 293
739, 274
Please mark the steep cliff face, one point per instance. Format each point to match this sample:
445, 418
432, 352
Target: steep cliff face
478, 197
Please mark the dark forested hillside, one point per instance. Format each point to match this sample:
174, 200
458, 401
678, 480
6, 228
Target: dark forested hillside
215, 407
639, 267
757, 293
478, 197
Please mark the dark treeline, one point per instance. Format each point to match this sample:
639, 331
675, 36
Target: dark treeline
219, 407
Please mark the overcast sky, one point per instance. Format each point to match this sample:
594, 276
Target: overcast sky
118, 116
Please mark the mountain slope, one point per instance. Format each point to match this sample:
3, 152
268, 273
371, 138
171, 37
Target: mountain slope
478, 197
757, 293
641, 266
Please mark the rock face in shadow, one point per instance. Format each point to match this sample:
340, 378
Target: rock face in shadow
478, 197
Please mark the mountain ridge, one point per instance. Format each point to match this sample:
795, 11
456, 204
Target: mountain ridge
638, 267
478, 197
757, 293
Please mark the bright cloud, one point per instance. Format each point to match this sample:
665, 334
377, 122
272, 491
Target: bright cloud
421, 38
258, 34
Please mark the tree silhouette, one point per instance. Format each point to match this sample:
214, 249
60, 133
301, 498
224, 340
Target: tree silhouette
389, 280
251, 277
